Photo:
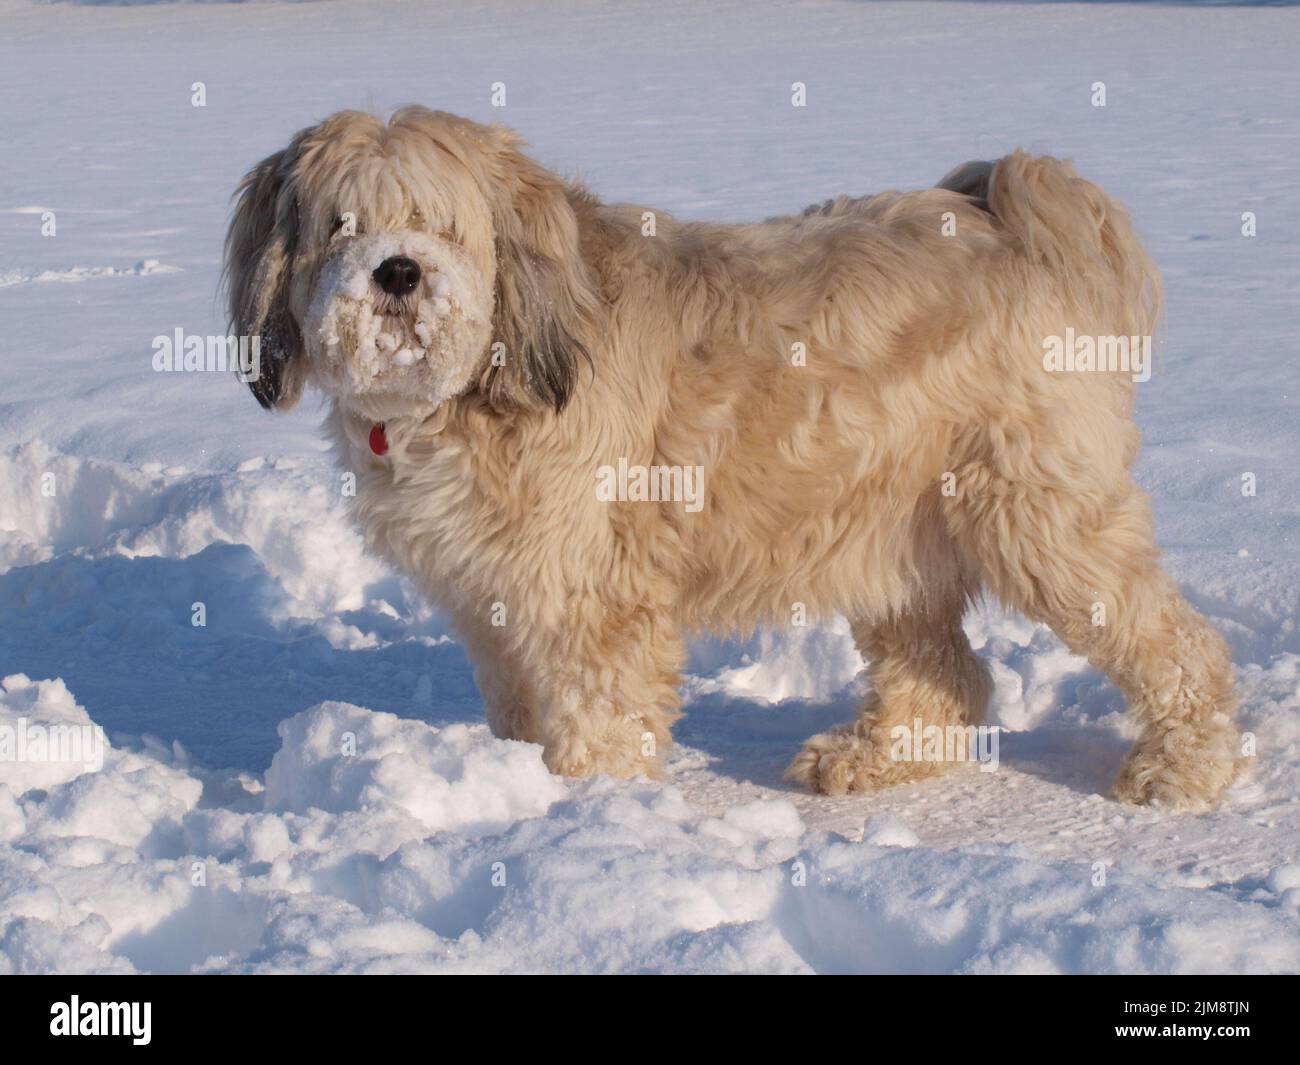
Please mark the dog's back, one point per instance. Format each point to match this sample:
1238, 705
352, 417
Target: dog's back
833, 366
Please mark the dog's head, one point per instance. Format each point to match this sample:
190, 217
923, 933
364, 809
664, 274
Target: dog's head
397, 265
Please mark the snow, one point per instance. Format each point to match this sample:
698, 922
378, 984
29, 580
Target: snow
341, 758
448, 850
303, 782
81, 273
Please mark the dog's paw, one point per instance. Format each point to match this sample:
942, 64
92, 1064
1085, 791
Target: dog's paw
621, 757
844, 760
1184, 769
613, 762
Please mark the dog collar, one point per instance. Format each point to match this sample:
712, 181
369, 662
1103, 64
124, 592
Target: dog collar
378, 439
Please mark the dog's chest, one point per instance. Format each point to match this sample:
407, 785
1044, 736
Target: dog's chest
419, 503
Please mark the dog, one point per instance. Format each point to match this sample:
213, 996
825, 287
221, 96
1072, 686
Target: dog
863, 389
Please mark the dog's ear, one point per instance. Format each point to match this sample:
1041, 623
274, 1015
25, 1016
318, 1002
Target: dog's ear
260, 248
545, 301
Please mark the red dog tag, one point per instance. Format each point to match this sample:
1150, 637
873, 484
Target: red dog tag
378, 439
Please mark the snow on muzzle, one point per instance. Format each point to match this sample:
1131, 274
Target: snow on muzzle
423, 345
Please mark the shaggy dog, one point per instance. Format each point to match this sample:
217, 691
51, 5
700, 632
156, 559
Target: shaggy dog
860, 393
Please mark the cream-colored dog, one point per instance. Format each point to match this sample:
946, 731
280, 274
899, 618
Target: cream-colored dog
590, 429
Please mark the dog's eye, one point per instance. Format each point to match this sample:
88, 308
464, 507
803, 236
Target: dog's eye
346, 222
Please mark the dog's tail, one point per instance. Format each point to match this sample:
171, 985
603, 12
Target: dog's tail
1069, 225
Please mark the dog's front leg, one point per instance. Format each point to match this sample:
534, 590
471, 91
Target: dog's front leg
607, 689
505, 684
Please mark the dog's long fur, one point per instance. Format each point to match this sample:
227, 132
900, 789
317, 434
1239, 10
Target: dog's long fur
920, 318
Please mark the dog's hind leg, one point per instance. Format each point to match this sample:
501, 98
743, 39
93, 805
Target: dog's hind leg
1084, 561
923, 673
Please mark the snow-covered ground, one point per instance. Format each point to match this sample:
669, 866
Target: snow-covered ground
304, 783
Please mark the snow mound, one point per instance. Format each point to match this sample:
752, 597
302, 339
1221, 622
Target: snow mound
986, 910
293, 518
803, 662
885, 831
337, 757
35, 718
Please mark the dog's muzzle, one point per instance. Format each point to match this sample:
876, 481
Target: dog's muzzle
398, 321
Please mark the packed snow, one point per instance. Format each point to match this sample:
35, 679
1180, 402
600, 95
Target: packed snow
271, 753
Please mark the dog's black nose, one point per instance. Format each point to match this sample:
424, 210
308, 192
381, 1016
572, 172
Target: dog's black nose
398, 275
